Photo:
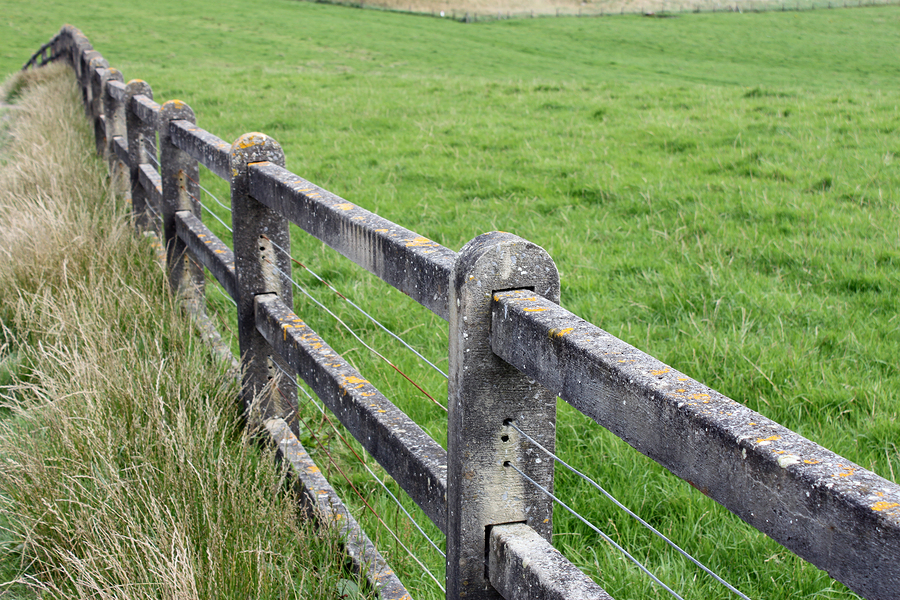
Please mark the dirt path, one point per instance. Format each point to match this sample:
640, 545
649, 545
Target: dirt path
503, 8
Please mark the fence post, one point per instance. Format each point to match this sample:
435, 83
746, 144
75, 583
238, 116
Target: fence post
257, 266
64, 45
88, 58
141, 144
115, 122
485, 394
180, 177
101, 127
59, 43
114, 111
79, 46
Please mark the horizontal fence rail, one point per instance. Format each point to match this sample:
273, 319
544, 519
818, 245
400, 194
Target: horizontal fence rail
146, 109
819, 505
202, 146
208, 250
522, 564
490, 492
415, 265
322, 503
407, 453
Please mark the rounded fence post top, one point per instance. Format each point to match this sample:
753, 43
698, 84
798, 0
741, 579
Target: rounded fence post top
97, 61
506, 259
255, 147
88, 58
497, 242
175, 110
80, 39
68, 27
113, 74
138, 86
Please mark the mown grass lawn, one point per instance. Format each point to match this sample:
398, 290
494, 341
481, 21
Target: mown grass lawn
719, 190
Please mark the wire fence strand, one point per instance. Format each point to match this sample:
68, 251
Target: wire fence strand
149, 206
226, 295
211, 195
358, 308
337, 467
321, 409
214, 215
627, 510
595, 529
406, 512
444, 374
355, 335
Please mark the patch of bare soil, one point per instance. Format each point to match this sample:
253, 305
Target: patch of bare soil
518, 8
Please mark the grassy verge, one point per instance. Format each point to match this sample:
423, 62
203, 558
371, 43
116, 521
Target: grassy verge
122, 472
719, 190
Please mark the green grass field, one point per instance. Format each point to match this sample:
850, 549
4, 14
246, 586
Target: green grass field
720, 190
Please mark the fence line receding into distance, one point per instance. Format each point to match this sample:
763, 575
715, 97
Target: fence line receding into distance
512, 351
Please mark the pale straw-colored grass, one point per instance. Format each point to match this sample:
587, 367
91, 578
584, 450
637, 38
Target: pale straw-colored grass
123, 473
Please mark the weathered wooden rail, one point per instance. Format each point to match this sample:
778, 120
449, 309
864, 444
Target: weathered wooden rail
509, 341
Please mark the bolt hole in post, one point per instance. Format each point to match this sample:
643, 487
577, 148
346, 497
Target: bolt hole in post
270, 367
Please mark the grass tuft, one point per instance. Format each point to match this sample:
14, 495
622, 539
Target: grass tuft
123, 472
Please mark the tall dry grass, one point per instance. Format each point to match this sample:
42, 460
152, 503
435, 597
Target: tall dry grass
123, 473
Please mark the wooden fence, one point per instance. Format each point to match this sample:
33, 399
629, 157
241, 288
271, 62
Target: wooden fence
512, 351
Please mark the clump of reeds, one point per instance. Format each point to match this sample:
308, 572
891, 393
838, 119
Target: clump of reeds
123, 473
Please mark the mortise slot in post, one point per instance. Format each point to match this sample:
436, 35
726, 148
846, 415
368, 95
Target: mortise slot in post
530, 288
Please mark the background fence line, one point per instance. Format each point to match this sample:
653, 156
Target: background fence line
512, 351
